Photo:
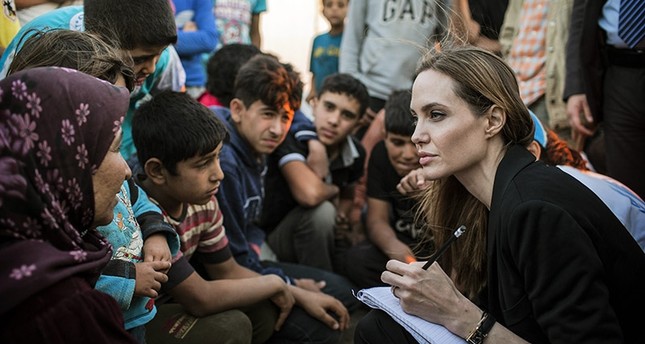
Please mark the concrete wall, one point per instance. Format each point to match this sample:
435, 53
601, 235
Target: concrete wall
288, 28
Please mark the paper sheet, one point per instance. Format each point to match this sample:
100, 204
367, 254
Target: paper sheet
423, 331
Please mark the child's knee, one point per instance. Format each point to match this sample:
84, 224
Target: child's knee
323, 217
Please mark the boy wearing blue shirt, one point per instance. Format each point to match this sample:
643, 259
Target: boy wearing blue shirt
144, 28
266, 95
196, 35
326, 47
139, 255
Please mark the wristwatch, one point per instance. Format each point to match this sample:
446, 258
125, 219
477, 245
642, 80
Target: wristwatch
480, 332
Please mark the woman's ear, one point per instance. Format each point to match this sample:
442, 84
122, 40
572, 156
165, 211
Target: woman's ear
155, 171
495, 120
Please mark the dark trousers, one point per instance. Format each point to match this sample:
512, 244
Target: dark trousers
305, 236
364, 263
301, 327
624, 125
378, 327
172, 325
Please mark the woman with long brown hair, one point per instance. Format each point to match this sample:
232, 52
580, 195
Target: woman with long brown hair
543, 260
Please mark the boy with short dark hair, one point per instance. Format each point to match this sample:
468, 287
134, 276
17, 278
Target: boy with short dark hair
306, 209
178, 144
390, 228
143, 28
155, 30
222, 68
326, 46
266, 96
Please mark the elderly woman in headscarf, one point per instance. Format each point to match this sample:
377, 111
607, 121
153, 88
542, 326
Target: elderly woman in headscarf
60, 171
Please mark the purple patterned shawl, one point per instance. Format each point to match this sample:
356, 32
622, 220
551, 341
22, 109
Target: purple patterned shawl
56, 126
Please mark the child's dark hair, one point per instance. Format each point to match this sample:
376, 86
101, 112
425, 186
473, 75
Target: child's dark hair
173, 127
132, 24
398, 119
222, 69
83, 51
343, 83
264, 78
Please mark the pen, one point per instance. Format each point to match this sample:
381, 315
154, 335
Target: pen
445, 246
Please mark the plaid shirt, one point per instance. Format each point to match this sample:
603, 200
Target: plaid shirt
528, 52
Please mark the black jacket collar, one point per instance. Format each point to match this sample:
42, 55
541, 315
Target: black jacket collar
514, 161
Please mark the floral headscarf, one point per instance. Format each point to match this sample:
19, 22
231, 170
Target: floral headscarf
56, 126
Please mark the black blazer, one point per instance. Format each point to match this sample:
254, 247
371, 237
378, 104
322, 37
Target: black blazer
561, 266
585, 59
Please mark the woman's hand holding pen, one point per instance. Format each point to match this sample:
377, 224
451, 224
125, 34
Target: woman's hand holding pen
431, 295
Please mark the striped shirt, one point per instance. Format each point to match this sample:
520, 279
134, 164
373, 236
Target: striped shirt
201, 232
528, 51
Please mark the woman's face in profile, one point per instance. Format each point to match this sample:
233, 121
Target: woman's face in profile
449, 137
107, 181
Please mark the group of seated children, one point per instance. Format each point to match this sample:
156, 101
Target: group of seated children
179, 167
181, 221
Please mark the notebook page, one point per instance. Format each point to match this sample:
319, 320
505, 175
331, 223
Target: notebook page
423, 331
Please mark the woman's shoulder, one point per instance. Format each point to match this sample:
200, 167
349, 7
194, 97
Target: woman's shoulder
541, 194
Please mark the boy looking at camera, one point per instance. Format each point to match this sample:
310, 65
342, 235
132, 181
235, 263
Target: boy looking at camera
307, 212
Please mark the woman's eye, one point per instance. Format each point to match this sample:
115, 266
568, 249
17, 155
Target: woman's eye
436, 115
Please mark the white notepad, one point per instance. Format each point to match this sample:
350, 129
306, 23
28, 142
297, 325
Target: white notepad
423, 331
